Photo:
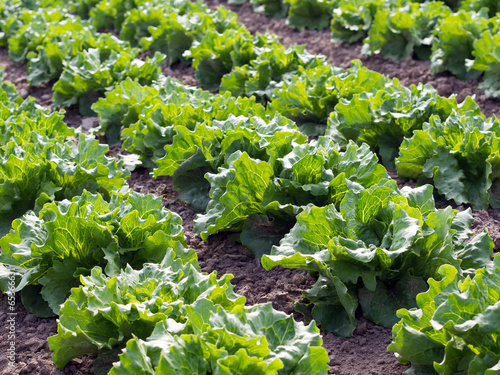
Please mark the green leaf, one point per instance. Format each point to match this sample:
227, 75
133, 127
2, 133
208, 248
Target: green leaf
456, 323
380, 306
234, 195
122, 107
423, 199
256, 339
310, 14
185, 356
113, 310
352, 19
398, 31
453, 42
334, 306
461, 149
68, 239
136, 360
30, 296
56, 281
189, 178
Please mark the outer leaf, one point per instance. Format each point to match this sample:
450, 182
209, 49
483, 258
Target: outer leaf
239, 194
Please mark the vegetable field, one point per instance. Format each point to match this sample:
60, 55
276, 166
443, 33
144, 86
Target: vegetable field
262, 187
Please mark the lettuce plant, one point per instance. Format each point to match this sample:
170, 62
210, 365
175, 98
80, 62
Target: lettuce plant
47, 252
11, 14
8, 93
171, 29
309, 14
151, 112
272, 8
399, 32
247, 340
251, 192
155, 128
487, 60
193, 153
30, 124
62, 41
30, 15
35, 169
122, 106
172, 317
60, 46
453, 42
21, 120
110, 14
183, 112
158, 29
460, 155
352, 19
477, 5
376, 252
217, 53
29, 30
105, 312
310, 97
129, 101
454, 327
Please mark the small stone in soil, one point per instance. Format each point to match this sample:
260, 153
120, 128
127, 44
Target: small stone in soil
346, 346
90, 122
23, 93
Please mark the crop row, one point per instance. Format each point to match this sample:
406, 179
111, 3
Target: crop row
457, 36
434, 137
328, 205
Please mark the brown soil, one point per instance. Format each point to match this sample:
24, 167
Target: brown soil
365, 352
